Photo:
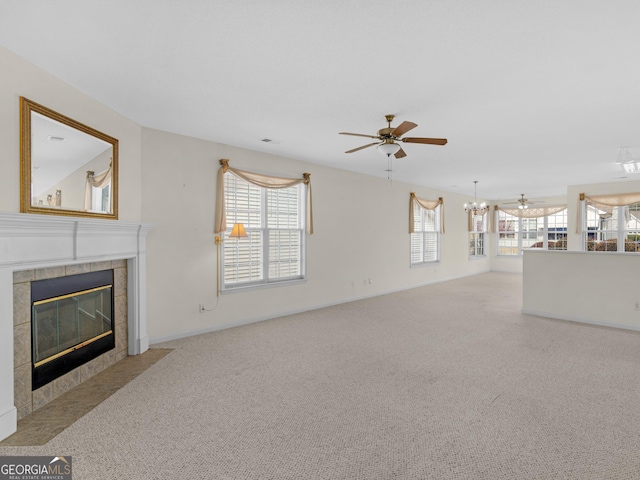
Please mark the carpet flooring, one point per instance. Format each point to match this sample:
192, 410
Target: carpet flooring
448, 381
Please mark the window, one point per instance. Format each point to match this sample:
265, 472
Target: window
478, 229
273, 250
556, 227
547, 232
508, 234
100, 201
611, 228
425, 241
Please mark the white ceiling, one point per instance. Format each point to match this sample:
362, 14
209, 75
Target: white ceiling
532, 95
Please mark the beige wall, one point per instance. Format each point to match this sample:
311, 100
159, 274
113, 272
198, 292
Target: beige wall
20, 78
361, 233
591, 287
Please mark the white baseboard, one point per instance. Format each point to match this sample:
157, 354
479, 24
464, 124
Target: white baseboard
589, 321
177, 336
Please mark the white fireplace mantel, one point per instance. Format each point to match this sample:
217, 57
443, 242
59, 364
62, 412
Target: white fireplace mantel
30, 241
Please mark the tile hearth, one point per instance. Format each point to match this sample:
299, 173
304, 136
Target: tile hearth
42, 425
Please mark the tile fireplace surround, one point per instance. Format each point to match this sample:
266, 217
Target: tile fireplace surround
30, 242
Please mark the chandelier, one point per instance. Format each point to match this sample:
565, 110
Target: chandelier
474, 208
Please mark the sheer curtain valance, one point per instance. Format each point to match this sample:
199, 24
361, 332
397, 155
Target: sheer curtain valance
606, 203
537, 212
481, 212
264, 181
616, 200
99, 181
427, 205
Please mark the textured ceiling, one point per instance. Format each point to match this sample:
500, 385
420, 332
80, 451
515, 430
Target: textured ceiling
532, 96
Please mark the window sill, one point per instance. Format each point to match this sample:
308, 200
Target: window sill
435, 263
261, 286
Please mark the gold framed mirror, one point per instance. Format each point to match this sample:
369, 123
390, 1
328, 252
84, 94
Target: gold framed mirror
66, 167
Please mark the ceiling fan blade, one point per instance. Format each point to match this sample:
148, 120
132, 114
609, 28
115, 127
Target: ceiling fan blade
430, 141
400, 153
358, 135
360, 148
403, 128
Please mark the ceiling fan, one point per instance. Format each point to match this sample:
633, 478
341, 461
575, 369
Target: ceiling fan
389, 136
522, 202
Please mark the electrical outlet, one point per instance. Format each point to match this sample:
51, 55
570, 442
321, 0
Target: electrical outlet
636, 306
201, 308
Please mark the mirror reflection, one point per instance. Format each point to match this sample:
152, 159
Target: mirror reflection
67, 167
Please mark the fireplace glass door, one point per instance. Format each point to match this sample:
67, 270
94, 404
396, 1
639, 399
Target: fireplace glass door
68, 322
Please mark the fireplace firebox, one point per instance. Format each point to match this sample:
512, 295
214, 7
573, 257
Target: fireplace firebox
71, 323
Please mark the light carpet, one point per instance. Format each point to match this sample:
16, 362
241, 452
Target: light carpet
448, 381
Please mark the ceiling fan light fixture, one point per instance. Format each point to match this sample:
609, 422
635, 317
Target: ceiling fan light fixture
388, 149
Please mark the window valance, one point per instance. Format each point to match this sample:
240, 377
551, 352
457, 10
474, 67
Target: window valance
99, 181
532, 212
606, 203
537, 212
616, 200
264, 181
427, 205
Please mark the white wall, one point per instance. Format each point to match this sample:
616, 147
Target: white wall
361, 233
20, 78
591, 287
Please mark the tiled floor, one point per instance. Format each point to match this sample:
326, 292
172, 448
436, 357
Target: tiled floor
48, 421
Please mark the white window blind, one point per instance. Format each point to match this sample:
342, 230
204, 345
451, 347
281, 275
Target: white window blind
274, 222
426, 237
